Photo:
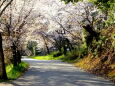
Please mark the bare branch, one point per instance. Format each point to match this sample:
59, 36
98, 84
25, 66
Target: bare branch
2, 3
5, 7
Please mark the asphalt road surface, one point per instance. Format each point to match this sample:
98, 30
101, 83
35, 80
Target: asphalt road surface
56, 73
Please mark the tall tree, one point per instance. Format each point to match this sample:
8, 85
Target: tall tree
15, 26
3, 6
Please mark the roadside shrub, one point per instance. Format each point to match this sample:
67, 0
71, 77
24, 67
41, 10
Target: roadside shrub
57, 54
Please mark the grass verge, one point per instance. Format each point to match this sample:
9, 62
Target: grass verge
15, 72
48, 57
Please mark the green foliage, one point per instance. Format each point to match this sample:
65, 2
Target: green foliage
56, 54
32, 45
15, 72
111, 17
71, 57
108, 8
103, 4
47, 57
76, 54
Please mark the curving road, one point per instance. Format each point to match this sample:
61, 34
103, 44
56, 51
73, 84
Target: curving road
56, 73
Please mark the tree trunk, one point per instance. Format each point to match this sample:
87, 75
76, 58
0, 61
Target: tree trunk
46, 45
47, 48
14, 55
92, 34
64, 50
19, 56
3, 74
34, 51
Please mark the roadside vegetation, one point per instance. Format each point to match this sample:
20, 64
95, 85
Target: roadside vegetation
15, 72
50, 56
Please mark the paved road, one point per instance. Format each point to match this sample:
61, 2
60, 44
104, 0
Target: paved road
56, 73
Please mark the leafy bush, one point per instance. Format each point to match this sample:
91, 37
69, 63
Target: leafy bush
57, 54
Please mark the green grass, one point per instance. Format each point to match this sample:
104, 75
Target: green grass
71, 57
15, 72
47, 57
50, 57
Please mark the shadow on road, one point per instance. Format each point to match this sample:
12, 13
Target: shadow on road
56, 73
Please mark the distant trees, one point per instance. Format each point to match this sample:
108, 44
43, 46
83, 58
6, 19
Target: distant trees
67, 32
45, 40
32, 46
63, 44
56, 31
